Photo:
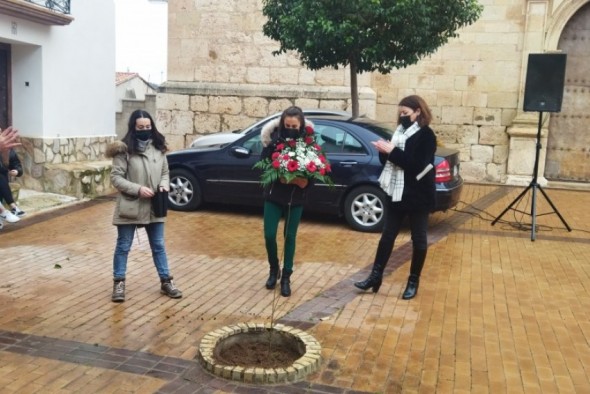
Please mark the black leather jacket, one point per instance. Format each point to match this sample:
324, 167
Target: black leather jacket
13, 163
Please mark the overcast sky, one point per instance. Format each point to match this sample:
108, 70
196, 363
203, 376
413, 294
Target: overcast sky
141, 38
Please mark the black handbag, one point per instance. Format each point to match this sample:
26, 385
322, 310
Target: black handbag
160, 204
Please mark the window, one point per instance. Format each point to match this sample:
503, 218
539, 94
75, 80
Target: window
254, 145
335, 140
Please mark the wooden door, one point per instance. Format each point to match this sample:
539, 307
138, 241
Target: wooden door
568, 144
5, 96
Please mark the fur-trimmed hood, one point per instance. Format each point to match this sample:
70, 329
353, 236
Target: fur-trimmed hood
270, 127
116, 148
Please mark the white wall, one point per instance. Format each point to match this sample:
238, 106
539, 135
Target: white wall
27, 101
70, 70
82, 56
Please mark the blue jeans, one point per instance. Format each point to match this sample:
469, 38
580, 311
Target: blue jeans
155, 233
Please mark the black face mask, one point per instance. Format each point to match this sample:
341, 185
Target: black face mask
143, 135
405, 121
289, 133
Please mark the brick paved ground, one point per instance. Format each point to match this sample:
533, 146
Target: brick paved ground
495, 311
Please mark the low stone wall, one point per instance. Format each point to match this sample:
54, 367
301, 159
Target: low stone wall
15, 190
70, 166
189, 109
84, 179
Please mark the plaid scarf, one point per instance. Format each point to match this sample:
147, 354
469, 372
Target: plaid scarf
392, 176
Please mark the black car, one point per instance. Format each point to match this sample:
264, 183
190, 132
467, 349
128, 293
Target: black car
224, 174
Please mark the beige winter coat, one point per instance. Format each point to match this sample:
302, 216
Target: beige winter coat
129, 173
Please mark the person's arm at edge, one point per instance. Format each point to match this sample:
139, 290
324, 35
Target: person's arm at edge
8, 138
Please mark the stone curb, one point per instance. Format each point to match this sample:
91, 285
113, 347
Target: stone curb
303, 366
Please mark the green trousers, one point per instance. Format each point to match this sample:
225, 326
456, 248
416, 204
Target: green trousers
272, 216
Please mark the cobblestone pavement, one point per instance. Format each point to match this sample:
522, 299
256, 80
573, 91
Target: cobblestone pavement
495, 312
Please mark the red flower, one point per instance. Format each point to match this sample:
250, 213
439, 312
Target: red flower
284, 162
292, 165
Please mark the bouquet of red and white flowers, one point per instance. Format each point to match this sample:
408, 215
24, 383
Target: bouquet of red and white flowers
296, 158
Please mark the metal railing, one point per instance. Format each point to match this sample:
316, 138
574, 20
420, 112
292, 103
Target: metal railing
62, 6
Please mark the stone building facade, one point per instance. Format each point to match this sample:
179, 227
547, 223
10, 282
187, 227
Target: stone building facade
222, 76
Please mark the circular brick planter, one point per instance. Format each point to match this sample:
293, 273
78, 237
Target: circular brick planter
308, 363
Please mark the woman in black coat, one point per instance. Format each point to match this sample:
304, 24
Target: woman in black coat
408, 179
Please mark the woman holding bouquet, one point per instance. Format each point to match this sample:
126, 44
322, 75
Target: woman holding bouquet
282, 198
408, 178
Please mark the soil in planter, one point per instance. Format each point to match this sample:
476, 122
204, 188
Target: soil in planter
252, 351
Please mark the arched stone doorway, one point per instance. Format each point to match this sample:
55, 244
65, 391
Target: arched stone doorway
568, 143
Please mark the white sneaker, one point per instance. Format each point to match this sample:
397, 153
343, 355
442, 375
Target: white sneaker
17, 211
9, 216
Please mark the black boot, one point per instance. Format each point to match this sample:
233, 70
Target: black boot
273, 275
286, 283
374, 280
381, 258
418, 257
411, 287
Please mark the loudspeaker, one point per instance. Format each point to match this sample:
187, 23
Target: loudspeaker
543, 91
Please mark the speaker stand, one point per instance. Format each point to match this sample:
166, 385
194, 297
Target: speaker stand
534, 185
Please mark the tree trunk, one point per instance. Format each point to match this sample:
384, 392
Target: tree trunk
354, 89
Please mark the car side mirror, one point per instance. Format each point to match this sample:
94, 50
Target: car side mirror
240, 151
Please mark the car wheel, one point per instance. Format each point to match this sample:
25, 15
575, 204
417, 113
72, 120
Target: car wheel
364, 208
185, 194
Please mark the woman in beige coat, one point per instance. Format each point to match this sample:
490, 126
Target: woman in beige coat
139, 170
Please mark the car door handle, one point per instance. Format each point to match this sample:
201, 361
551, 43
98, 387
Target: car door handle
348, 163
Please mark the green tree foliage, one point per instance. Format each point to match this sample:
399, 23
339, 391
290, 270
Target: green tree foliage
366, 35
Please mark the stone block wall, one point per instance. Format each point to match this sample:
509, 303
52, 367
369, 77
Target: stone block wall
471, 84
474, 84
130, 105
188, 110
71, 166
222, 42
222, 75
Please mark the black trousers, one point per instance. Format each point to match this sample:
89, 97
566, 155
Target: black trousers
391, 228
5, 192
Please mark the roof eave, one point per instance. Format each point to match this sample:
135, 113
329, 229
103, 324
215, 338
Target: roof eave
34, 13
